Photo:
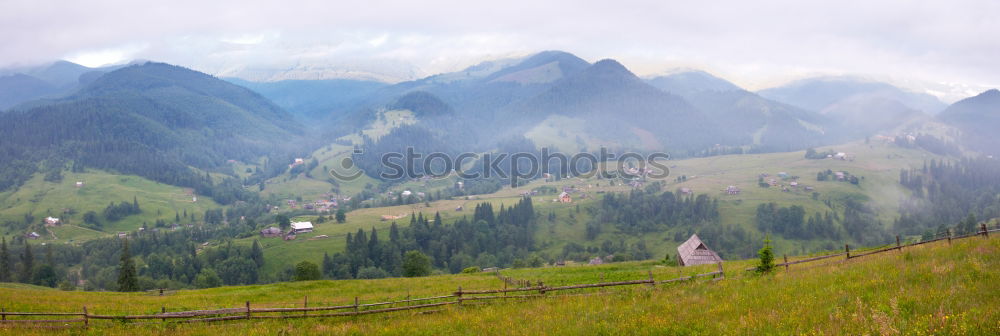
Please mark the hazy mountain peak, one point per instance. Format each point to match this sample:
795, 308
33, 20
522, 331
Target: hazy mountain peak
978, 117
821, 92
543, 67
611, 65
607, 71
688, 82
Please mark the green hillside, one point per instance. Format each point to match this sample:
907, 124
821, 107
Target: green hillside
876, 164
69, 203
939, 288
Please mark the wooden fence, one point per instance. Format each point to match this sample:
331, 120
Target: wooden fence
982, 231
85, 318
524, 290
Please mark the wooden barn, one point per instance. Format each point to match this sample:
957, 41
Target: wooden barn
694, 252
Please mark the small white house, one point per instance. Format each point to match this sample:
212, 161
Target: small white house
51, 221
300, 227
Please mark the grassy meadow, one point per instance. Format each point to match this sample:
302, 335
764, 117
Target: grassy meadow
42, 199
925, 290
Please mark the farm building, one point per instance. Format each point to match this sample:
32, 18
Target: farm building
32, 235
733, 190
686, 191
299, 227
79, 184
694, 252
564, 198
270, 232
51, 221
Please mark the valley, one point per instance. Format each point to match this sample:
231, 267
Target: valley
222, 193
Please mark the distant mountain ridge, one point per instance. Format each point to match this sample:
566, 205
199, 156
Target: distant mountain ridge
978, 118
153, 120
614, 107
689, 82
19, 85
820, 93
614, 103
314, 99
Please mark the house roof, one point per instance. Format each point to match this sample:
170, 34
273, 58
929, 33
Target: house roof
302, 225
563, 194
694, 252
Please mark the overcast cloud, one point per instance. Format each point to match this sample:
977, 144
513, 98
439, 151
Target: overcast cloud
949, 47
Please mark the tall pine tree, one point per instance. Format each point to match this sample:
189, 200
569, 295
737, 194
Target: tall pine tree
4, 261
257, 254
27, 264
127, 281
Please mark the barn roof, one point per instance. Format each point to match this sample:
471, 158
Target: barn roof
302, 225
694, 252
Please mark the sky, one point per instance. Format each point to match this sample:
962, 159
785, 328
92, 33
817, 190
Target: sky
947, 48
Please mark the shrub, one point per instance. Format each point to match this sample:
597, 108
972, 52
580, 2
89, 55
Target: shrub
416, 264
305, 271
372, 273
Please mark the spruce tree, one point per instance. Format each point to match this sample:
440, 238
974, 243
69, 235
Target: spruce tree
27, 264
127, 281
257, 253
766, 258
393, 233
4, 261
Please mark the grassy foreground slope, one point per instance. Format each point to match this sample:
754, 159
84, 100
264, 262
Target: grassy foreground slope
929, 289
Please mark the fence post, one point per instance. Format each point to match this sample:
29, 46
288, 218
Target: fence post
986, 233
2, 311
652, 282
786, 261
161, 291
898, 246
722, 274
163, 310
305, 303
847, 249
541, 287
86, 319
355, 304
459, 295
248, 310
949, 236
